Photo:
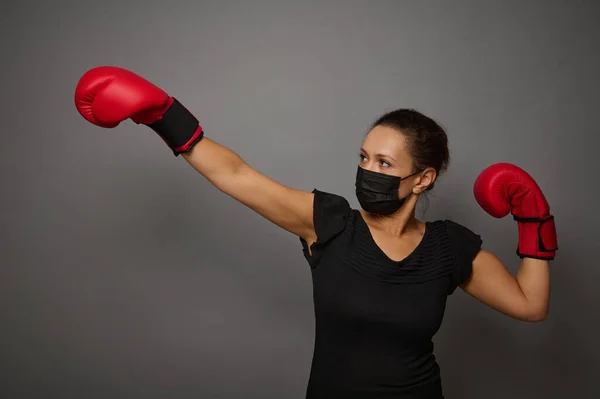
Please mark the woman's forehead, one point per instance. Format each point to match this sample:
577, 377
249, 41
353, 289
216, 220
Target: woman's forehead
386, 141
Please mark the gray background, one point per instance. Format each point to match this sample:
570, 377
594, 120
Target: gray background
124, 274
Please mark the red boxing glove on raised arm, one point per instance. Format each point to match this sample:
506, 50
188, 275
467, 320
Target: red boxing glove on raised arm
108, 95
502, 188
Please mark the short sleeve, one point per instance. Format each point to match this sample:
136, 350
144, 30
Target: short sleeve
330, 215
465, 246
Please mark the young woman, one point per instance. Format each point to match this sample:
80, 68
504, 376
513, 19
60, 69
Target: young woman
380, 276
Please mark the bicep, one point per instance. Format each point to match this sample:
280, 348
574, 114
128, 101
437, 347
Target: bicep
492, 284
286, 207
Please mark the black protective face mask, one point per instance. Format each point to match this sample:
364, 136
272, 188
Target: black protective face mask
378, 192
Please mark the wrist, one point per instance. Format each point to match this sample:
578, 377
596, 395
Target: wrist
178, 127
537, 237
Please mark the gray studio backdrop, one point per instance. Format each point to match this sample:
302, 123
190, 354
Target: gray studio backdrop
124, 274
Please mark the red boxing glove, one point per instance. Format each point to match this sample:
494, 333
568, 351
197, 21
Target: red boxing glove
502, 188
108, 95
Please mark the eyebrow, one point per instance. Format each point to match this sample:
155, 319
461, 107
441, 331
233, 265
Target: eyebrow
379, 155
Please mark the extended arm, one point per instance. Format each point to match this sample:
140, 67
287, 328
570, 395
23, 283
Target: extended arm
107, 95
286, 207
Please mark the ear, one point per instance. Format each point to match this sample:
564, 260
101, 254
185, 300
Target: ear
424, 180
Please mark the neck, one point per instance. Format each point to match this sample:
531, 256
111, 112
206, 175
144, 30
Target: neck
397, 223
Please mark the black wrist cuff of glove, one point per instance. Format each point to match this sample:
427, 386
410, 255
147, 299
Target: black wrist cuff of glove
179, 128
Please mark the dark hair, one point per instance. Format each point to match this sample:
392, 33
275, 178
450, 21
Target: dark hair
427, 140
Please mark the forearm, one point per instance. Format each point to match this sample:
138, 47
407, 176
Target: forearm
533, 278
288, 208
214, 161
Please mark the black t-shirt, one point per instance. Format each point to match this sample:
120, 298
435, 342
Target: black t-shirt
376, 317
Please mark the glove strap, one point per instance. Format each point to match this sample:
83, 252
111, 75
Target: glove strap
179, 128
540, 242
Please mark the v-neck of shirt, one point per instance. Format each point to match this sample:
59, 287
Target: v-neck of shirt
381, 253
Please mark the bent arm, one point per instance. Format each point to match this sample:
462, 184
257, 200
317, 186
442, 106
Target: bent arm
288, 208
525, 297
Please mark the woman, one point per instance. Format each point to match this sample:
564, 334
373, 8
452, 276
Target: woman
380, 276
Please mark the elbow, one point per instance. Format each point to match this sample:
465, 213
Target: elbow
536, 316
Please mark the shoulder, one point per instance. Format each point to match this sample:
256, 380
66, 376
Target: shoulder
331, 213
464, 244
459, 234
452, 230
330, 202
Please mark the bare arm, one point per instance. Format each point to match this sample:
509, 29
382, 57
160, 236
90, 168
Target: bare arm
286, 207
525, 297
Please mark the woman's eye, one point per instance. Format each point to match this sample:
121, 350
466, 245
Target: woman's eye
383, 163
